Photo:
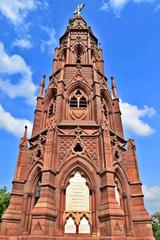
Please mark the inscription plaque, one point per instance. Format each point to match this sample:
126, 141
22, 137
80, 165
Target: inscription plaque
77, 194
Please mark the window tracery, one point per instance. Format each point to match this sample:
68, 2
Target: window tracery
52, 107
78, 100
73, 102
78, 53
78, 105
105, 112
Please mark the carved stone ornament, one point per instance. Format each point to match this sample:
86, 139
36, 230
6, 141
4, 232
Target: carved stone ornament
117, 228
104, 126
38, 227
51, 124
131, 145
105, 112
76, 114
40, 147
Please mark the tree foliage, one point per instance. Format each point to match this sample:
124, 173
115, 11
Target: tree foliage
4, 201
156, 225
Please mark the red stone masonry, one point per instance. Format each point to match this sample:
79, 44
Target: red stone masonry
77, 128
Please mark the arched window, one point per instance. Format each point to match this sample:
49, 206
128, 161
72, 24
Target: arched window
105, 110
79, 52
83, 102
73, 102
37, 191
78, 100
52, 106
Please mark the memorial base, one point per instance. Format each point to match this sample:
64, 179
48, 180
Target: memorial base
38, 237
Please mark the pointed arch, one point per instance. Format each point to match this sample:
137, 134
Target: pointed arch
32, 178
78, 106
88, 201
80, 160
107, 98
125, 196
62, 53
107, 113
79, 85
79, 52
121, 175
30, 198
51, 93
71, 166
78, 42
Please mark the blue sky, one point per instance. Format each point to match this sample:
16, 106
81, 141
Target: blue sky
128, 31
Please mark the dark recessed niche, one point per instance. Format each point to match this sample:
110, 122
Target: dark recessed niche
78, 148
116, 154
38, 153
73, 102
78, 92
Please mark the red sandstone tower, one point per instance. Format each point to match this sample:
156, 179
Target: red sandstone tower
77, 177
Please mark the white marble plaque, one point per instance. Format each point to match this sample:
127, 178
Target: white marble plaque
77, 194
84, 226
117, 195
70, 226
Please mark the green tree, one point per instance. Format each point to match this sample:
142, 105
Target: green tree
156, 225
4, 201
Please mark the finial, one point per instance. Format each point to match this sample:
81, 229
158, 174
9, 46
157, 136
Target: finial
79, 9
42, 85
24, 140
43, 80
114, 88
25, 132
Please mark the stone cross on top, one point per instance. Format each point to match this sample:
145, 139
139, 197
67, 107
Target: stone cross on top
79, 9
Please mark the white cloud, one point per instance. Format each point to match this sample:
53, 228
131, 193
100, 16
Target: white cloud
51, 42
157, 8
132, 119
104, 6
15, 65
152, 198
117, 5
12, 124
22, 43
17, 10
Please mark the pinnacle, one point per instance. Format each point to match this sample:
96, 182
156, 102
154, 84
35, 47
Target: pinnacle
25, 132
